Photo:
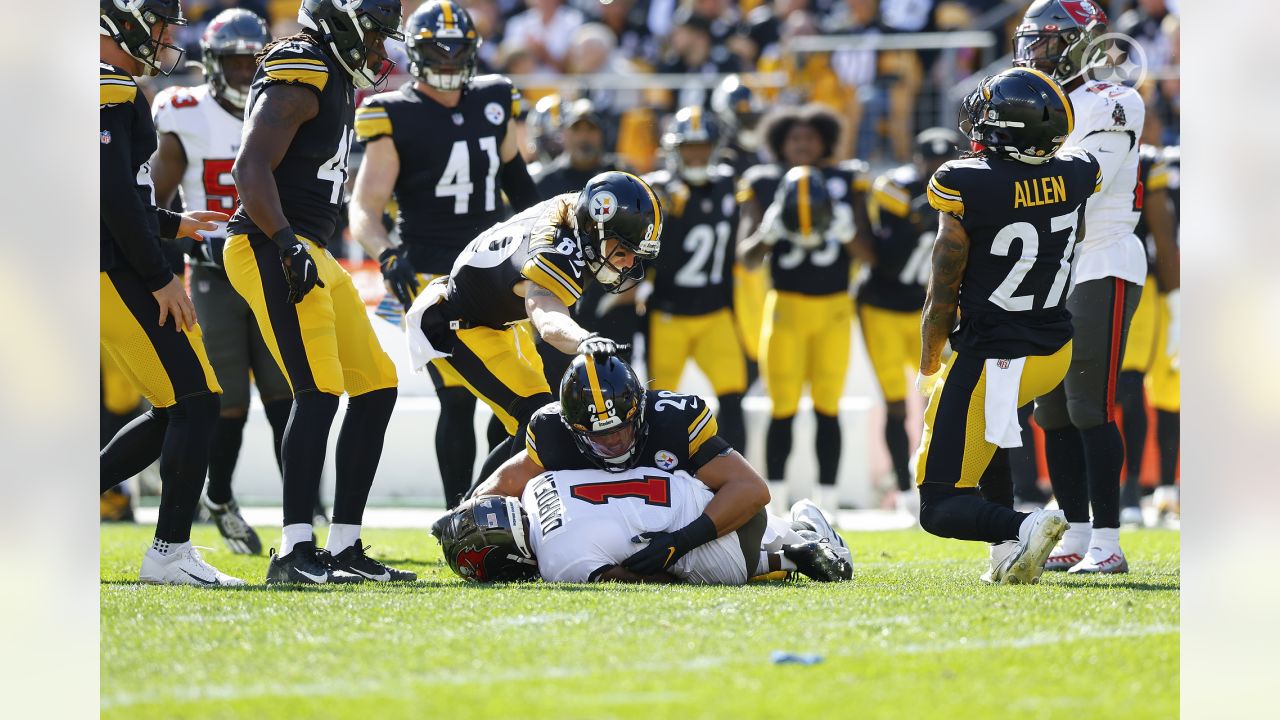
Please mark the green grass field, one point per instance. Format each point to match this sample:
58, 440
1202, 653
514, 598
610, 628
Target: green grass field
914, 636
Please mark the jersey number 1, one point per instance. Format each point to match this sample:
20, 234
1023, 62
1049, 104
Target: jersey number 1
653, 490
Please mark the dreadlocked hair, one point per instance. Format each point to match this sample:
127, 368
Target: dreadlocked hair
776, 125
306, 35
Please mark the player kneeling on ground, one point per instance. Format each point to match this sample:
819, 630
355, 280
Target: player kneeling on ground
583, 525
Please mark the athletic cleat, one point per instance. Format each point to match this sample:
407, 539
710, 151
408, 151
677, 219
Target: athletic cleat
355, 561
306, 566
1025, 563
1131, 517
183, 566
1071, 550
810, 515
1166, 502
999, 552
819, 561
1102, 562
239, 535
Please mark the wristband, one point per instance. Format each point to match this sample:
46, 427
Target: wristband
699, 532
284, 238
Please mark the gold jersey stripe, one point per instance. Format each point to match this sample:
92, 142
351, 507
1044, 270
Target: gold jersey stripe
368, 128
943, 189
597, 396
317, 79
531, 447
296, 61
890, 197
116, 94
551, 267
945, 203
706, 429
1157, 177
537, 274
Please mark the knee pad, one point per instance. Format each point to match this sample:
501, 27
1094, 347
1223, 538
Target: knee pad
1051, 412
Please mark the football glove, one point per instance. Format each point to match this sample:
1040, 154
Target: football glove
771, 230
597, 344
926, 383
300, 271
399, 275
842, 228
665, 548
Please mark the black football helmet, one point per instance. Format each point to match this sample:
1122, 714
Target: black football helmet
442, 43
739, 110
1059, 38
619, 205
231, 32
132, 25
691, 125
486, 540
1020, 114
805, 203
602, 401
544, 126
344, 25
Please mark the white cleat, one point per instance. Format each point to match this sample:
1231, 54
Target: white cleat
999, 553
1102, 561
1131, 517
908, 501
183, 566
807, 513
1025, 563
1071, 550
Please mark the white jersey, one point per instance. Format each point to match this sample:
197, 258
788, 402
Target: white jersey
1108, 123
210, 138
581, 521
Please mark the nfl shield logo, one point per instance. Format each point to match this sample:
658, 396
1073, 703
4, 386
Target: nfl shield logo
1002, 364
105, 137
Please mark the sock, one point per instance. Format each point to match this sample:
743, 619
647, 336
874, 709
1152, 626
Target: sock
277, 412
963, 514
1168, 425
456, 442
1077, 537
777, 447
166, 548
136, 446
1131, 399
306, 441
223, 453
341, 537
1105, 538
1064, 452
1022, 461
775, 561
293, 534
1104, 456
359, 450
996, 483
184, 460
828, 445
733, 426
895, 438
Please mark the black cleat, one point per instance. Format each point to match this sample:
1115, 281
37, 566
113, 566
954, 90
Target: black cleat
817, 561
239, 535
305, 565
353, 560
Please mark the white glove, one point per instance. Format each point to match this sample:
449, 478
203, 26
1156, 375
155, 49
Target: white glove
771, 230
842, 228
926, 383
1173, 344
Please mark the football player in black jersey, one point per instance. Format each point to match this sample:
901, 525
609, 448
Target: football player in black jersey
605, 419
445, 145
808, 315
690, 308
1011, 213
739, 109
890, 292
148, 325
290, 173
1148, 348
533, 267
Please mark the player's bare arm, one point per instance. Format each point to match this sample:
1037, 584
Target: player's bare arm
550, 316
167, 167
739, 490
511, 477
860, 244
1159, 217
752, 246
375, 182
268, 132
950, 256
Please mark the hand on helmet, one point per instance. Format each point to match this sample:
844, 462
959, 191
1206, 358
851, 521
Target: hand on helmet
598, 345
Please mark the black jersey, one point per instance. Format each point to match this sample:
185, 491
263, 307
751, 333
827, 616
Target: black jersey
1153, 174
682, 436
823, 270
534, 245
449, 188
1021, 221
903, 229
694, 272
129, 225
313, 173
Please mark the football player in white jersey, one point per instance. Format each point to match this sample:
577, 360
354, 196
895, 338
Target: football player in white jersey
199, 131
580, 525
1083, 445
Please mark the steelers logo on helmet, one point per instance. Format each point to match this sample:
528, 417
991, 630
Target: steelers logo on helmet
604, 205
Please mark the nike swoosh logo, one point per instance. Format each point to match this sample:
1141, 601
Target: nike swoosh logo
313, 578
670, 551
199, 579
384, 577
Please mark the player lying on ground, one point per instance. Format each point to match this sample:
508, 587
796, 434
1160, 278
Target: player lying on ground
583, 525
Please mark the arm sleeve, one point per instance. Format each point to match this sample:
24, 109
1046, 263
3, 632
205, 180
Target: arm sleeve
132, 224
170, 222
518, 185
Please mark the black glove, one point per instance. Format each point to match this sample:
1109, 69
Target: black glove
665, 548
399, 275
299, 269
208, 250
596, 344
